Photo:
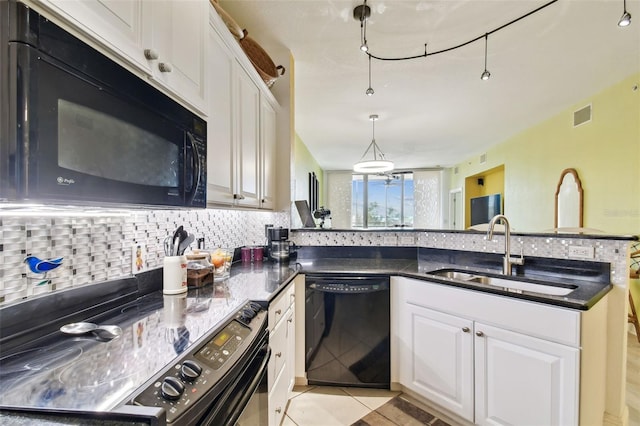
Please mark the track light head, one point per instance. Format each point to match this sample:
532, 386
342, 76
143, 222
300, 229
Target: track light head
625, 19
362, 12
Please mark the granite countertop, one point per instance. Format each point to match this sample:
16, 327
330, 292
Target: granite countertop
591, 282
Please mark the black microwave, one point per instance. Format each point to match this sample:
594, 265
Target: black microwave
76, 127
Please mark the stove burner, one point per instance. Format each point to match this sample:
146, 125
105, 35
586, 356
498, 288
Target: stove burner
40, 359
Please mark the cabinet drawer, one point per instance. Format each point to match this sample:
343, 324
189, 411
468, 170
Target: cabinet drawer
278, 397
535, 319
278, 344
279, 306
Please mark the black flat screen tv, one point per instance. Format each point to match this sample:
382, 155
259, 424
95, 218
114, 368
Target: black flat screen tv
484, 208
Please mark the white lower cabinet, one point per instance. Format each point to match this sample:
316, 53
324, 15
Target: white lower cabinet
280, 372
436, 359
521, 380
485, 358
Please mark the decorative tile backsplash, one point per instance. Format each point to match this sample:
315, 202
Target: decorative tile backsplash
100, 247
615, 252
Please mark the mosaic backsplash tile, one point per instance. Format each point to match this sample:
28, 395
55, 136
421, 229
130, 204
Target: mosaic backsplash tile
101, 247
615, 252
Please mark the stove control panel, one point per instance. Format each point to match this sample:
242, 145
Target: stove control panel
180, 386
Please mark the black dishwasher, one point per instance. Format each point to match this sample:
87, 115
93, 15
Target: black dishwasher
347, 330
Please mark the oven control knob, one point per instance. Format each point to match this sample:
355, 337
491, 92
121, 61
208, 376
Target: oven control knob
255, 306
247, 313
190, 370
171, 388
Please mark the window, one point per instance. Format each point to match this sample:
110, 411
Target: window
381, 201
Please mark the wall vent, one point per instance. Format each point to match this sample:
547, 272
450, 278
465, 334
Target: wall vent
455, 170
483, 158
581, 116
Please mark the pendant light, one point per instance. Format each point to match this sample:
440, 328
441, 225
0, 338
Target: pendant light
370, 91
625, 19
486, 74
378, 164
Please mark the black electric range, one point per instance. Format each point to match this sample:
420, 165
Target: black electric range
65, 373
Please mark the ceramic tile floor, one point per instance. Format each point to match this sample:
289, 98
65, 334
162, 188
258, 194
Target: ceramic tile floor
333, 406
326, 405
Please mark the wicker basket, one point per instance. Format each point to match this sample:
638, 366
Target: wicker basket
261, 61
231, 24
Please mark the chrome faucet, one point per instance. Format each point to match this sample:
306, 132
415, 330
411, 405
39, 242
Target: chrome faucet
508, 260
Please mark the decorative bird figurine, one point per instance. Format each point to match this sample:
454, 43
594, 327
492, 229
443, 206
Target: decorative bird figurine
42, 266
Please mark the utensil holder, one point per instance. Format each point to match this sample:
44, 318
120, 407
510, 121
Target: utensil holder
174, 275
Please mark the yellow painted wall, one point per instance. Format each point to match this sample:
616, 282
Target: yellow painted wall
605, 152
304, 163
493, 183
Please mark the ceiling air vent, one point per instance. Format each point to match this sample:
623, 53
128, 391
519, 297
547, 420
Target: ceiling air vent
581, 116
483, 158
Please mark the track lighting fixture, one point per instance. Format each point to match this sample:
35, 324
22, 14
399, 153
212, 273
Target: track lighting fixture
379, 164
362, 13
369, 91
486, 74
625, 19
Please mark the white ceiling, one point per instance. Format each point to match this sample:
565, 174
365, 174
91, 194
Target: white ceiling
436, 111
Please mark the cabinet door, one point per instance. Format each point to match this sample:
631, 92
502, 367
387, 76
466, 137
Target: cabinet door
267, 155
220, 134
436, 357
177, 36
521, 380
248, 96
114, 24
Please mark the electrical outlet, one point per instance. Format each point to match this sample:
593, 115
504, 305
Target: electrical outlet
390, 240
407, 240
582, 252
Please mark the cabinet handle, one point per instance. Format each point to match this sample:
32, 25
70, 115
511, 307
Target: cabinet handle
279, 311
290, 320
164, 67
278, 410
238, 197
150, 54
479, 333
279, 354
465, 329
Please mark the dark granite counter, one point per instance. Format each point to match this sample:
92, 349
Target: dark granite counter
591, 279
590, 236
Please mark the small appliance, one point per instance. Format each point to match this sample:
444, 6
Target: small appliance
279, 245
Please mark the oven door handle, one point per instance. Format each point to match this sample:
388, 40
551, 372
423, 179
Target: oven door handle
239, 408
248, 391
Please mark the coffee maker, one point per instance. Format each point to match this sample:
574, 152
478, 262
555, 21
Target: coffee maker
278, 244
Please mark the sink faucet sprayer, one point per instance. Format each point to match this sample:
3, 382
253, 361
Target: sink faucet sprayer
508, 260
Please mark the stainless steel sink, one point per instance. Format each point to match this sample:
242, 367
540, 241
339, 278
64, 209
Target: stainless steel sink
505, 283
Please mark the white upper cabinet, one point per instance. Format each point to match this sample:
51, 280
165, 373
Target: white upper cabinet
248, 116
241, 126
267, 155
163, 40
174, 45
114, 24
221, 157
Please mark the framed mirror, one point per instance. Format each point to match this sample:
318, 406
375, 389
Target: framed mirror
568, 200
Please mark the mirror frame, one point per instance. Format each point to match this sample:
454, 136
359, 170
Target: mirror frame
580, 195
